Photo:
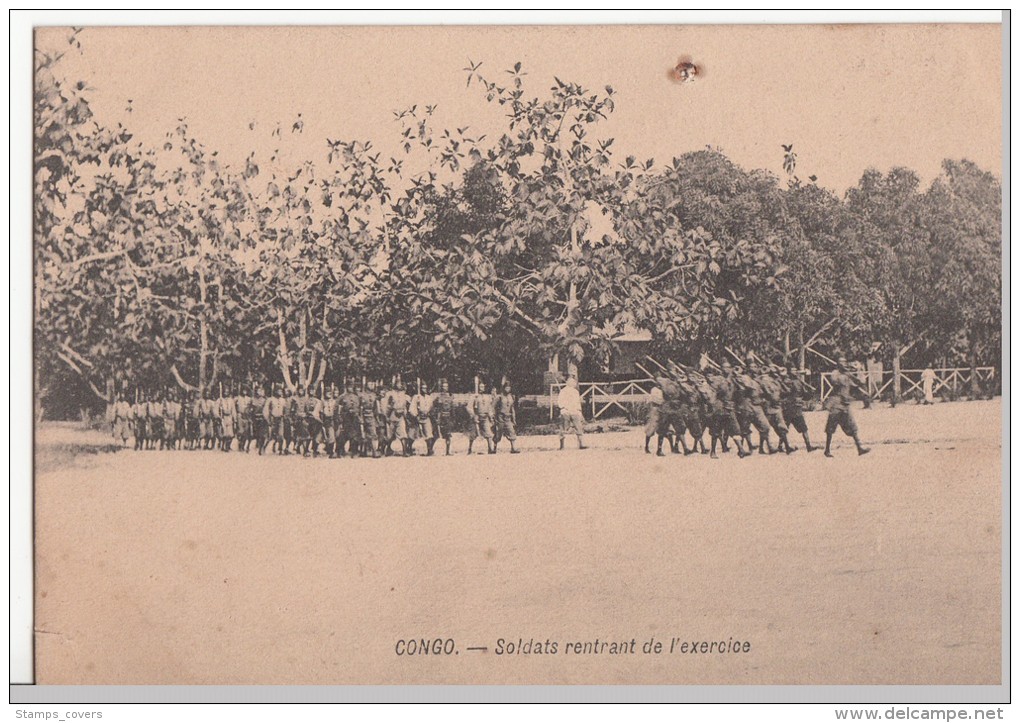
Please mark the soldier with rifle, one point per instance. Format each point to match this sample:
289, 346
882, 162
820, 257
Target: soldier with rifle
794, 392
838, 405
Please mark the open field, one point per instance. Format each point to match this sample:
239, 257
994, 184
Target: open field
205, 567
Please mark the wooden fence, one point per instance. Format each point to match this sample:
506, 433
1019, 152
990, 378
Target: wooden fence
954, 379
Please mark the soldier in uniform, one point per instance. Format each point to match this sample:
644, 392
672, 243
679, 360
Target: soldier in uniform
442, 416
350, 416
838, 405
702, 396
275, 414
772, 394
419, 418
749, 409
327, 420
299, 409
171, 420
670, 422
724, 421
257, 420
138, 414
243, 420
794, 392
195, 420
506, 418
288, 418
481, 418
154, 413
397, 403
382, 421
369, 409
228, 412
313, 415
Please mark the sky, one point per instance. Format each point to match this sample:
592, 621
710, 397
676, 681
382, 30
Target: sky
848, 97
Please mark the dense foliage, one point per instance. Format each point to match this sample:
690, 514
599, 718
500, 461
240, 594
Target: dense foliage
163, 266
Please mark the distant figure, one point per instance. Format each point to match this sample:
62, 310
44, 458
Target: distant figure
571, 418
928, 384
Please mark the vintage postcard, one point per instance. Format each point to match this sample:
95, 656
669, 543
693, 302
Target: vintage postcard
518, 355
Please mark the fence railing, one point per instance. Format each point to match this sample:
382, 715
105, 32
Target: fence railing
603, 396
954, 379
600, 397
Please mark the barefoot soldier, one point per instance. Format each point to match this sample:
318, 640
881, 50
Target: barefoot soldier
838, 404
350, 416
258, 420
727, 425
369, 411
506, 418
419, 416
481, 418
794, 392
442, 415
275, 414
772, 394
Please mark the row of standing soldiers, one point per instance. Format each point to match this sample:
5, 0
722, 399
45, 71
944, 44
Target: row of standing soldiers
365, 419
731, 401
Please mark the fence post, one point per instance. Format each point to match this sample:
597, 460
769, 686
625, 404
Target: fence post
896, 376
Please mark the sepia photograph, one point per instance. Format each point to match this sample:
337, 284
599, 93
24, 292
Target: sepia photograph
518, 355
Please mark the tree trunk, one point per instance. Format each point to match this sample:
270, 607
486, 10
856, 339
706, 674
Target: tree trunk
303, 374
284, 353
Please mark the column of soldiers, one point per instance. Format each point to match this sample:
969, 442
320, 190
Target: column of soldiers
365, 419
731, 402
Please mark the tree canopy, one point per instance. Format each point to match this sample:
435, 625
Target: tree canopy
163, 265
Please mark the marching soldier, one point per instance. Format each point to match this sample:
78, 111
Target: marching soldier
506, 418
299, 409
227, 411
350, 416
397, 403
275, 414
419, 417
368, 409
154, 412
772, 394
138, 413
481, 418
195, 420
328, 420
442, 416
171, 420
256, 419
838, 404
794, 392
244, 430
288, 418
670, 423
313, 415
749, 409
725, 420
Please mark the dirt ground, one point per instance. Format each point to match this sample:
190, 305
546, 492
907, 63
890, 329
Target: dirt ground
205, 567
